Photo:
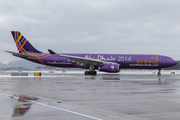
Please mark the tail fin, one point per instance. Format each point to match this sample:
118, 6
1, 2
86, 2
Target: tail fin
22, 44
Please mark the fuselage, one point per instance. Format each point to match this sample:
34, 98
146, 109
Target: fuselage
136, 61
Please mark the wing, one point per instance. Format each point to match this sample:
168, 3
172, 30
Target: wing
82, 60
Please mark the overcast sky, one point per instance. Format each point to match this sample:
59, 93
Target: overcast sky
92, 26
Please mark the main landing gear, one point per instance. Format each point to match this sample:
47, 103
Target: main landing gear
159, 73
91, 71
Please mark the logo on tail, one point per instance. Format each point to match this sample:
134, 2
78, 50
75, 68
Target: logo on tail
22, 44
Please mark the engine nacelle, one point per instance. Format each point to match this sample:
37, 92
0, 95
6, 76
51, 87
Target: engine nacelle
114, 68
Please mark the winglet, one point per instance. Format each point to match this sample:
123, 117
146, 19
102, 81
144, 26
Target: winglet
51, 52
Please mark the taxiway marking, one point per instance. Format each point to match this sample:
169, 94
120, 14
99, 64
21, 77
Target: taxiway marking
84, 115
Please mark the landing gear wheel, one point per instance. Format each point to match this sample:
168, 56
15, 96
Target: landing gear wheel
94, 72
86, 72
90, 72
159, 73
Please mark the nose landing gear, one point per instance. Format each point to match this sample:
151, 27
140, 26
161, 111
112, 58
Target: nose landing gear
159, 73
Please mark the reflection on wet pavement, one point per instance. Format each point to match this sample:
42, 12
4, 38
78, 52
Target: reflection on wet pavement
22, 108
110, 78
103, 77
37, 78
25, 97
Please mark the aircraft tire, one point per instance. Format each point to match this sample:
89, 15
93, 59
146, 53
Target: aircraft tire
90, 72
94, 72
159, 73
86, 72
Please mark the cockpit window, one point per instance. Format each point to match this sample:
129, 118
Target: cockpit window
169, 59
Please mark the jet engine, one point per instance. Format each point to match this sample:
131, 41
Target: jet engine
114, 68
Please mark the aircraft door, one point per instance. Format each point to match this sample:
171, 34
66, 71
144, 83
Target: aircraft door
162, 59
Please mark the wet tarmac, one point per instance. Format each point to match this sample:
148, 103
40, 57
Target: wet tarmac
101, 97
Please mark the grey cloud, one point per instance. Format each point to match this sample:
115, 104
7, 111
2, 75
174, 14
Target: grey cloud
93, 26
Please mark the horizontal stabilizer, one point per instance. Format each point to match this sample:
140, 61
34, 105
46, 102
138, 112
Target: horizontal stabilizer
18, 54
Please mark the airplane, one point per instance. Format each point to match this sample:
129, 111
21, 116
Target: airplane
111, 63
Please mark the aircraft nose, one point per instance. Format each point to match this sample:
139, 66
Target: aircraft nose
174, 62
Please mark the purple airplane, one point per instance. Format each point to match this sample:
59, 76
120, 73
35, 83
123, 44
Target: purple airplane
111, 63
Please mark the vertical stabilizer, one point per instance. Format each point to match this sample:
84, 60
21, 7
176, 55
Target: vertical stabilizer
22, 44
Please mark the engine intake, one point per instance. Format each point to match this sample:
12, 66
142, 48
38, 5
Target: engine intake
113, 68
